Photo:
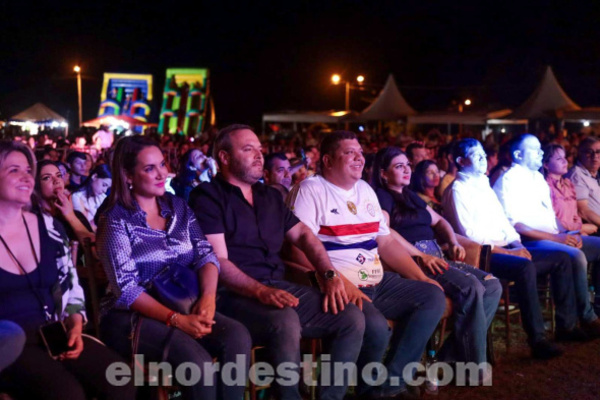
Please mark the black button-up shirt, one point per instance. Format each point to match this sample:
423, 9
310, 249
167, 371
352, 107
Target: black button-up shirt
253, 234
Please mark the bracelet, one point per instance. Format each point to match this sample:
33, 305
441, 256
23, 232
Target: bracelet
171, 319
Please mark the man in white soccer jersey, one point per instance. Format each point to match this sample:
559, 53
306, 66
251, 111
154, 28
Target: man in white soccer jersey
343, 211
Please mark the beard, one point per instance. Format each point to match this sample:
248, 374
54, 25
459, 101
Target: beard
245, 173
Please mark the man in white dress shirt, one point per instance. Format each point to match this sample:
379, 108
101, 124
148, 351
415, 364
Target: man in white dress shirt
525, 197
473, 210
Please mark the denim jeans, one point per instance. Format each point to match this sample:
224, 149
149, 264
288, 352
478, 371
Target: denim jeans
12, 340
591, 248
280, 331
524, 273
228, 339
579, 262
416, 308
475, 295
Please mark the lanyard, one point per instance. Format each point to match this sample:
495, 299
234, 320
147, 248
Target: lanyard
35, 292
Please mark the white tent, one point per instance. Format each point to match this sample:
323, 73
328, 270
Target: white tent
389, 105
546, 101
38, 113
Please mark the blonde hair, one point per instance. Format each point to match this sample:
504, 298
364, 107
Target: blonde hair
9, 146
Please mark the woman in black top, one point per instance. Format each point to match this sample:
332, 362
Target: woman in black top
474, 293
39, 285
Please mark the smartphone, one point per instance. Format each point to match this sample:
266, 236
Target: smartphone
55, 338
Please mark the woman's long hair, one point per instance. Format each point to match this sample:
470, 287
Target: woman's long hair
101, 171
404, 207
124, 161
186, 172
417, 181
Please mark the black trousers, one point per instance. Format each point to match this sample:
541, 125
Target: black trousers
35, 375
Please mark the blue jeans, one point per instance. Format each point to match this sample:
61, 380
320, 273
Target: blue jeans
12, 340
280, 331
579, 262
228, 339
524, 273
475, 295
416, 308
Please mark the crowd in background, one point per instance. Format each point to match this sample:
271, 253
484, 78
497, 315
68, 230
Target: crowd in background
74, 180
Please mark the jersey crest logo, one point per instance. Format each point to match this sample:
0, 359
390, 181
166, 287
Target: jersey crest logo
362, 275
361, 259
371, 209
351, 207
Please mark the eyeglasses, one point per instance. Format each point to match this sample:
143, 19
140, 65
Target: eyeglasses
592, 153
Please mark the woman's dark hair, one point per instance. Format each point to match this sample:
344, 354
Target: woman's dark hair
549, 151
185, 173
404, 206
124, 161
101, 171
417, 182
41, 164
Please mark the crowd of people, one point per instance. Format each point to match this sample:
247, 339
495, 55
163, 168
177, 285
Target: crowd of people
233, 209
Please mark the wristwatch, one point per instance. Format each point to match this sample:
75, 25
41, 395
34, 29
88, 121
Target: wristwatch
330, 274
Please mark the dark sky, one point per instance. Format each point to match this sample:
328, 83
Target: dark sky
279, 55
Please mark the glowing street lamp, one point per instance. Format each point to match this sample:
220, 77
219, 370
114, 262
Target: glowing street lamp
337, 79
467, 102
77, 70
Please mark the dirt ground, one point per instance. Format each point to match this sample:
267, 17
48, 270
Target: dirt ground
574, 375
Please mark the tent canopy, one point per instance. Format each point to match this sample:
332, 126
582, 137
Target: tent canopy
389, 105
547, 100
38, 113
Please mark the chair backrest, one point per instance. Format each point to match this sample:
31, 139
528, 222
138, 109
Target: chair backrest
97, 281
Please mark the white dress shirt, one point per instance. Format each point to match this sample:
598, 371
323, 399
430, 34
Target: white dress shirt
473, 210
525, 196
88, 206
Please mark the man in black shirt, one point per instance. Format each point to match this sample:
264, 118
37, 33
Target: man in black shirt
246, 223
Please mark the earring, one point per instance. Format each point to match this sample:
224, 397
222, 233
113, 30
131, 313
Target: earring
130, 186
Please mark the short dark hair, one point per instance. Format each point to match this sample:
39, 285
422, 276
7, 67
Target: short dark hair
331, 142
515, 143
414, 145
223, 140
586, 144
461, 148
75, 154
271, 157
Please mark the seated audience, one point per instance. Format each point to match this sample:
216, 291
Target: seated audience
447, 167
564, 203
92, 193
33, 252
425, 180
143, 231
342, 210
416, 152
473, 209
247, 222
585, 178
525, 197
278, 173
77, 162
474, 293
52, 200
194, 168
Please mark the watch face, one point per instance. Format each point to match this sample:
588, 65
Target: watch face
330, 274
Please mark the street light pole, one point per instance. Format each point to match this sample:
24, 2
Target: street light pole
77, 69
347, 96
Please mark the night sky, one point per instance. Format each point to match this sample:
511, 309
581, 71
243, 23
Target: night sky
279, 55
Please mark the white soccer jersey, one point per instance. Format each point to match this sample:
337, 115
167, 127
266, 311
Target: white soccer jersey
347, 222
